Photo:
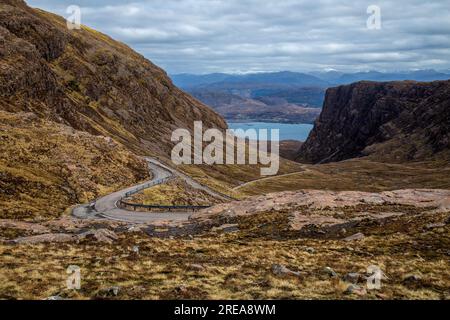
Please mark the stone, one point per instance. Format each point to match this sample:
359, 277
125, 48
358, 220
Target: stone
330, 272
114, 290
196, 267
316, 200
355, 237
227, 228
282, 271
101, 235
382, 296
352, 277
109, 292
46, 238
55, 298
435, 225
412, 278
299, 220
133, 229
354, 289
25, 226
182, 289
310, 250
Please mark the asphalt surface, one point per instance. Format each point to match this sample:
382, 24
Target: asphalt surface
106, 207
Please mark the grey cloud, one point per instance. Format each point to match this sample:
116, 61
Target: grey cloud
200, 36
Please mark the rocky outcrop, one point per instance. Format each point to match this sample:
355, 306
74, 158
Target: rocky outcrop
347, 216
87, 80
319, 200
101, 236
76, 110
398, 121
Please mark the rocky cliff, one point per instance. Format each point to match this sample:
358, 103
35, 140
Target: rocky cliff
397, 121
86, 80
76, 110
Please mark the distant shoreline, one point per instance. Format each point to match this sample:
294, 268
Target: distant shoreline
287, 131
265, 121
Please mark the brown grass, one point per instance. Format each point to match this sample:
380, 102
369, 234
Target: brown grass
46, 167
357, 175
236, 266
175, 193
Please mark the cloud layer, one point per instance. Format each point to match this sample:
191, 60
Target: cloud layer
203, 36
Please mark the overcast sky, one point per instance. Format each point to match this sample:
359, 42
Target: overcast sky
204, 36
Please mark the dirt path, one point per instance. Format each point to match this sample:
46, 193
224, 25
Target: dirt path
305, 169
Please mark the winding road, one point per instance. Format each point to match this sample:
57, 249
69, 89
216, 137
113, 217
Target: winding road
106, 207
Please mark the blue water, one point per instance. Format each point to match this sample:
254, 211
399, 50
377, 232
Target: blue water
287, 131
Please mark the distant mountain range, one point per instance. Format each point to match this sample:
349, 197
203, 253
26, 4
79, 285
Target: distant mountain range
280, 96
230, 81
298, 79
337, 78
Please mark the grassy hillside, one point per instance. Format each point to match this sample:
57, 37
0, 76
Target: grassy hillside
358, 174
48, 167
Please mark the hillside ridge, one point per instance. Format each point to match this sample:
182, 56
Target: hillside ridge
392, 121
91, 82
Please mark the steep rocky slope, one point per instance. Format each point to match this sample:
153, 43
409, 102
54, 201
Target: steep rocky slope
84, 79
395, 121
76, 108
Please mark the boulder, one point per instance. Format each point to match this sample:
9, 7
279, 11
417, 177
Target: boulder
101, 235
355, 237
411, 278
109, 292
354, 289
227, 228
352, 277
284, 272
34, 228
329, 271
46, 238
310, 250
196, 267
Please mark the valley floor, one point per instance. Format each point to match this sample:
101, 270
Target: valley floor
310, 241
358, 175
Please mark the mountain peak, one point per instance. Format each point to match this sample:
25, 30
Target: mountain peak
91, 82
